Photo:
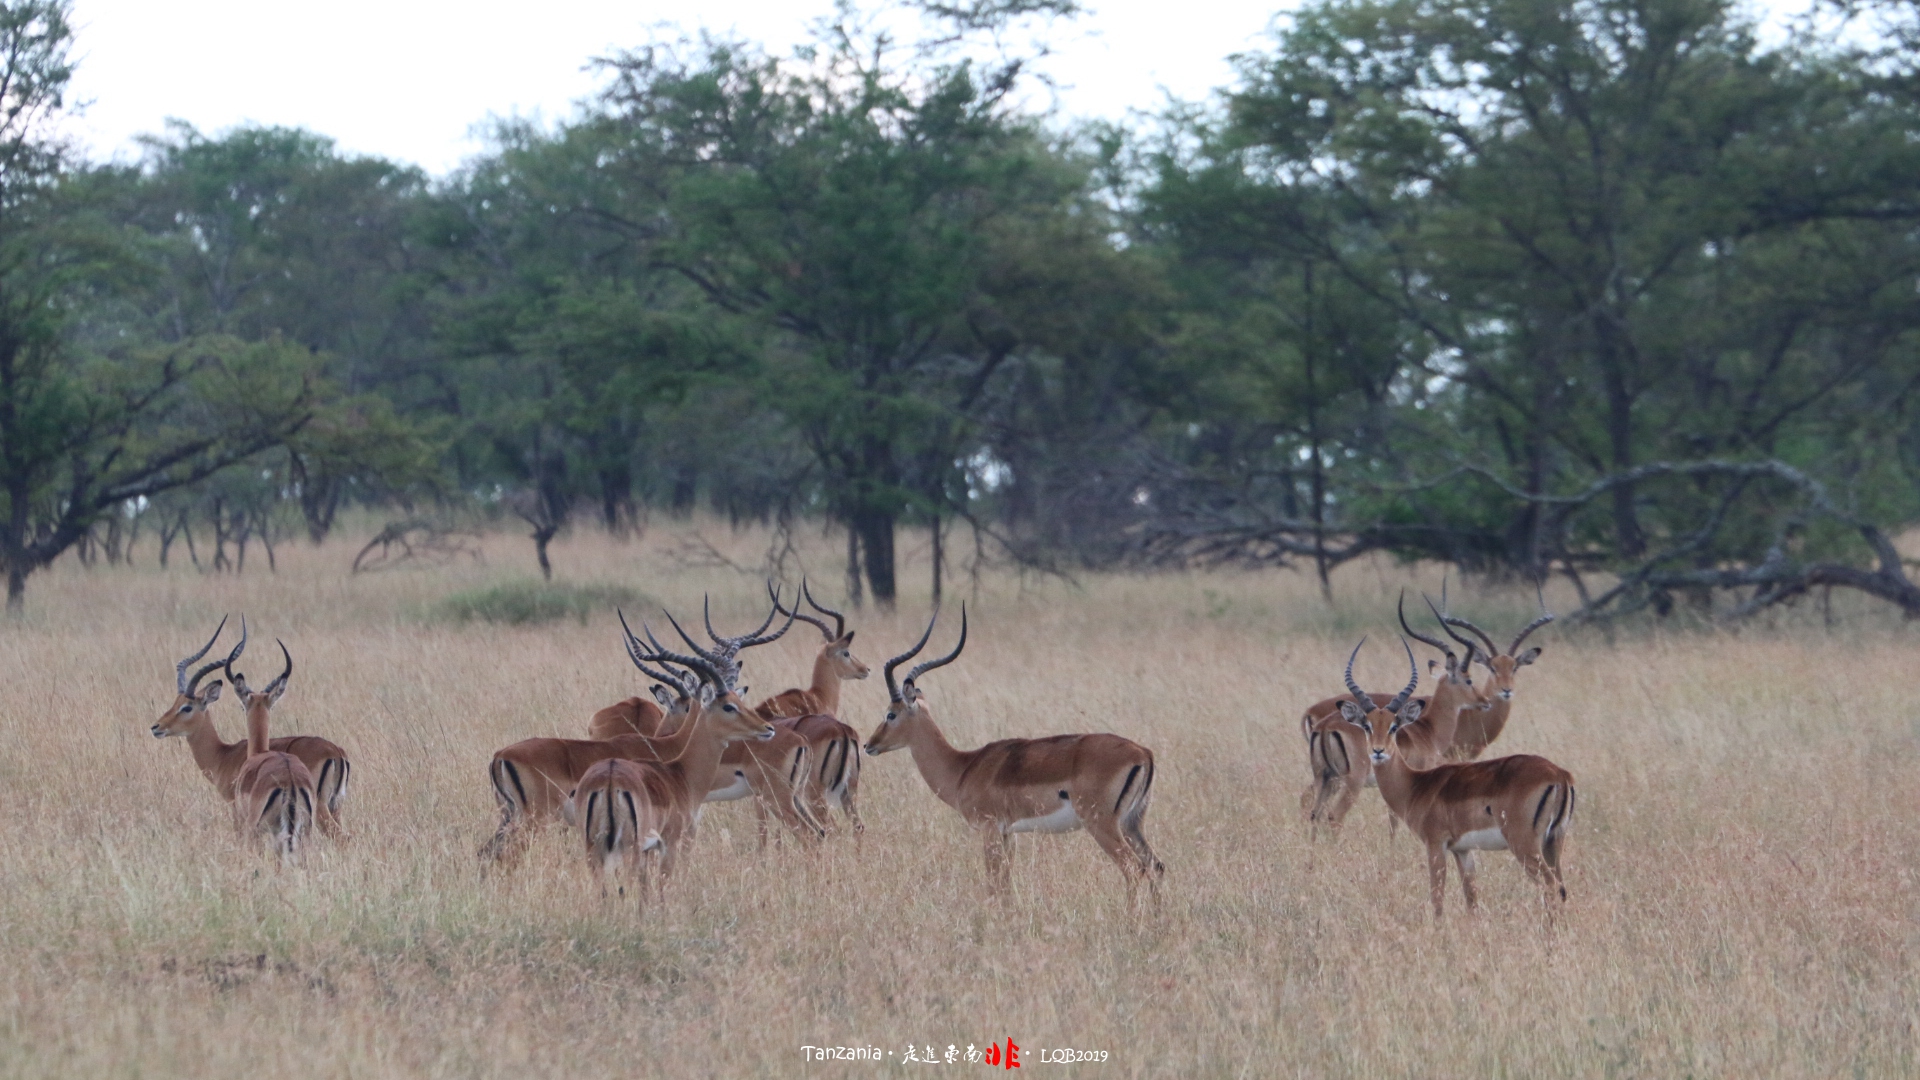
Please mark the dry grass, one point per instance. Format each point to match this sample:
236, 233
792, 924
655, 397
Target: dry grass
1741, 872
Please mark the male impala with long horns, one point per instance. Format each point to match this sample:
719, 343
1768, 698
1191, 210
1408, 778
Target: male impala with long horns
191, 718
1057, 784
1523, 804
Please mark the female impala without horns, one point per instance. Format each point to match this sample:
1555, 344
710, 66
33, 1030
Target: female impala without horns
1057, 784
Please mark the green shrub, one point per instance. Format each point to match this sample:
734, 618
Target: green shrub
525, 603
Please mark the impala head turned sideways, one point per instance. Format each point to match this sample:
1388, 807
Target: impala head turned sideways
905, 704
190, 700
838, 650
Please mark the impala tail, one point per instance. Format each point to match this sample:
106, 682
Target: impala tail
331, 785
286, 817
797, 791
510, 791
1557, 826
1131, 808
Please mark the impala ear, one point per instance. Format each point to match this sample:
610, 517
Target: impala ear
846, 639
661, 695
1351, 712
1527, 657
1483, 662
1409, 713
212, 693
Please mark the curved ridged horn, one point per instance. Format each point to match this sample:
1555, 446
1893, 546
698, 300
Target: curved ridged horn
1394, 705
280, 681
709, 657
1452, 660
893, 688
1455, 620
839, 620
190, 686
1466, 665
1545, 618
639, 656
238, 681
797, 613
1353, 688
947, 659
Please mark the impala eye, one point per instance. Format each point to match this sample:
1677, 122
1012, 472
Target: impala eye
729, 708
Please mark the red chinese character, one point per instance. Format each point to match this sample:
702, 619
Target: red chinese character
993, 1054
1013, 1055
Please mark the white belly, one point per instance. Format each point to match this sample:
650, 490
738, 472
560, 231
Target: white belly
1480, 840
739, 789
1061, 820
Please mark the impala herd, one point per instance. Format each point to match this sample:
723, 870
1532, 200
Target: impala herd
635, 786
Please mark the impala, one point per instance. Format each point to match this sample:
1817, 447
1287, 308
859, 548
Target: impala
665, 793
1479, 730
273, 795
1523, 804
191, 718
1100, 782
813, 714
532, 777
619, 823
776, 772
1334, 756
1337, 747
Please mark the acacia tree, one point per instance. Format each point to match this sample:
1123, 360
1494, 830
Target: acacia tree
846, 206
87, 426
1644, 273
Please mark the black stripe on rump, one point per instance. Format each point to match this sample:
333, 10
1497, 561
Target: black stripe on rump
1126, 787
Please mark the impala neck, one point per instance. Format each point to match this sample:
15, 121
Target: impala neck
1395, 779
826, 682
257, 739
212, 755
694, 748
939, 763
1443, 711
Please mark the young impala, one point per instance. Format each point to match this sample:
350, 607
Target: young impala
1523, 804
1057, 784
664, 793
273, 795
1479, 730
191, 718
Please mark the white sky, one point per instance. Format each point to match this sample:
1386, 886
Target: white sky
409, 79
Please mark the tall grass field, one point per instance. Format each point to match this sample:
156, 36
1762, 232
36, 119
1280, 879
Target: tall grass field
1742, 870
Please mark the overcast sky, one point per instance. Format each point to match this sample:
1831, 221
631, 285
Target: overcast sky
409, 79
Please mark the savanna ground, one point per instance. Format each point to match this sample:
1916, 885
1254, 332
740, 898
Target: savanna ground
1741, 869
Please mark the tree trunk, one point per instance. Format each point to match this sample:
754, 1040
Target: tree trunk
939, 559
876, 542
856, 595
540, 539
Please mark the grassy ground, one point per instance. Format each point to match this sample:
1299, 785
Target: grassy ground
1741, 872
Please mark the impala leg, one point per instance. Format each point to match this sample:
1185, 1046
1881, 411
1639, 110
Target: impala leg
1345, 796
999, 851
848, 802
1437, 878
1465, 860
1120, 848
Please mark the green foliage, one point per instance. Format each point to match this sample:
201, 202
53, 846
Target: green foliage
529, 603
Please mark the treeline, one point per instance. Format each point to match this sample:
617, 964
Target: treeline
1605, 289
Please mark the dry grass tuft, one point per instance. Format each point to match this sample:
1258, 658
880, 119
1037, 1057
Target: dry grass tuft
1741, 871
